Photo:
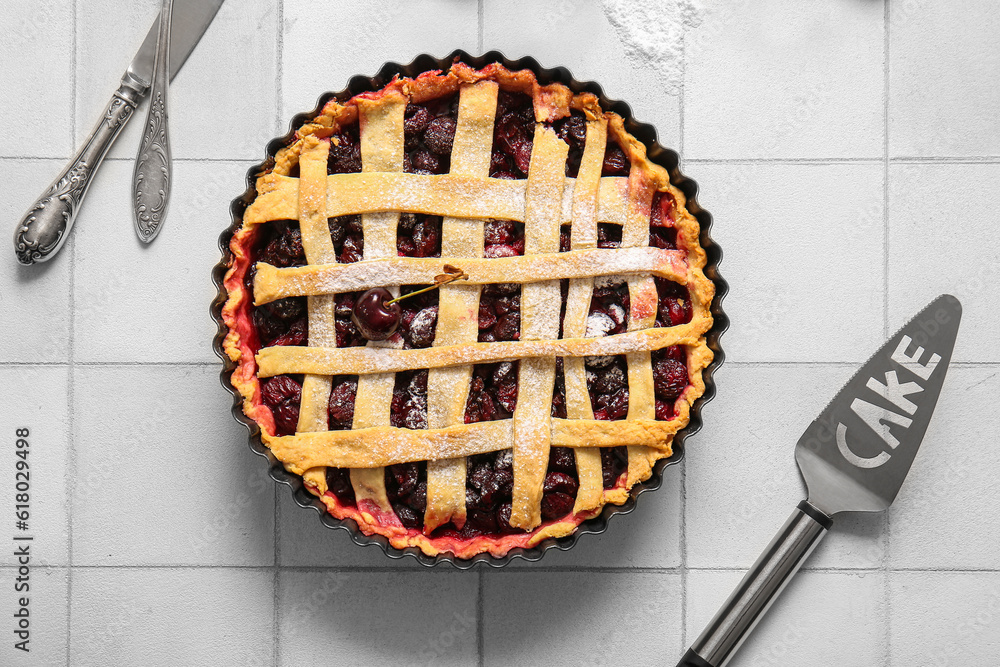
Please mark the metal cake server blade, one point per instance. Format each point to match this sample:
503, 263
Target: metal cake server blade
44, 228
853, 457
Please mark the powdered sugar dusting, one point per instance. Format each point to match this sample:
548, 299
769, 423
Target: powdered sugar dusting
608, 281
273, 283
365, 360
599, 324
653, 34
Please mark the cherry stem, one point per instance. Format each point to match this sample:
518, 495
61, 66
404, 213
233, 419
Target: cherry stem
450, 274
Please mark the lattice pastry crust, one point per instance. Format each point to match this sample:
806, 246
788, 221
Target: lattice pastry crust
466, 196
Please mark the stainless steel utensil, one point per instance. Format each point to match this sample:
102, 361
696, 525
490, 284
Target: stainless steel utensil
43, 229
153, 169
854, 457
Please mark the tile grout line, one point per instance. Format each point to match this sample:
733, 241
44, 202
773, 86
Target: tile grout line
279, 89
71, 369
481, 18
72, 79
681, 100
885, 173
954, 160
914, 159
887, 656
785, 160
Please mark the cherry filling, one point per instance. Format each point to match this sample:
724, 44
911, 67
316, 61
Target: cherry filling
406, 487
340, 407
418, 235
280, 244
616, 163
503, 238
282, 322
675, 303
573, 130
282, 394
513, 135
489, 482
500, 312
559, 392
670, 379
662, 233
607, 377
345, 151
348, 238
409, 400
609, 308
493, 391
429, 131
608, 235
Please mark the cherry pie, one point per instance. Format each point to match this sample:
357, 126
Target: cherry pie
512, 404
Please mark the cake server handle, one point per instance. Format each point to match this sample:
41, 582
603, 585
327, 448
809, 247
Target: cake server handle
44, 228
760, 587
152, 176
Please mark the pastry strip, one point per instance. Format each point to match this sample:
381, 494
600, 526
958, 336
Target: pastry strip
280, 359
381, 126
540, 306
643, 304
444, 194
386, 445
458, 305
318, 247
583, 239
272, 283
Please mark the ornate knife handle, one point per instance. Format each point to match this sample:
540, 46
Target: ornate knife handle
43, 229
152, 172
151, 178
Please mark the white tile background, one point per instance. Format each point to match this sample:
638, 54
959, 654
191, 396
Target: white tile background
849, 150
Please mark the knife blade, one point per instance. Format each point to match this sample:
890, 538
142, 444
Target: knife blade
44, 228
853, 457
188, 23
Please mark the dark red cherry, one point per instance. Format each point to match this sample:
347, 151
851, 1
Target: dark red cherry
374, 316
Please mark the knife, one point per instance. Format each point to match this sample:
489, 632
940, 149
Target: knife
43, 229
853, 457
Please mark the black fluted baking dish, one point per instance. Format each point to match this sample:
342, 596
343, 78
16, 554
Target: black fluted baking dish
666, 158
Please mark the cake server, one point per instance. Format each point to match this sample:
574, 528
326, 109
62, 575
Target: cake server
853, 457
43, 229
153, 171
